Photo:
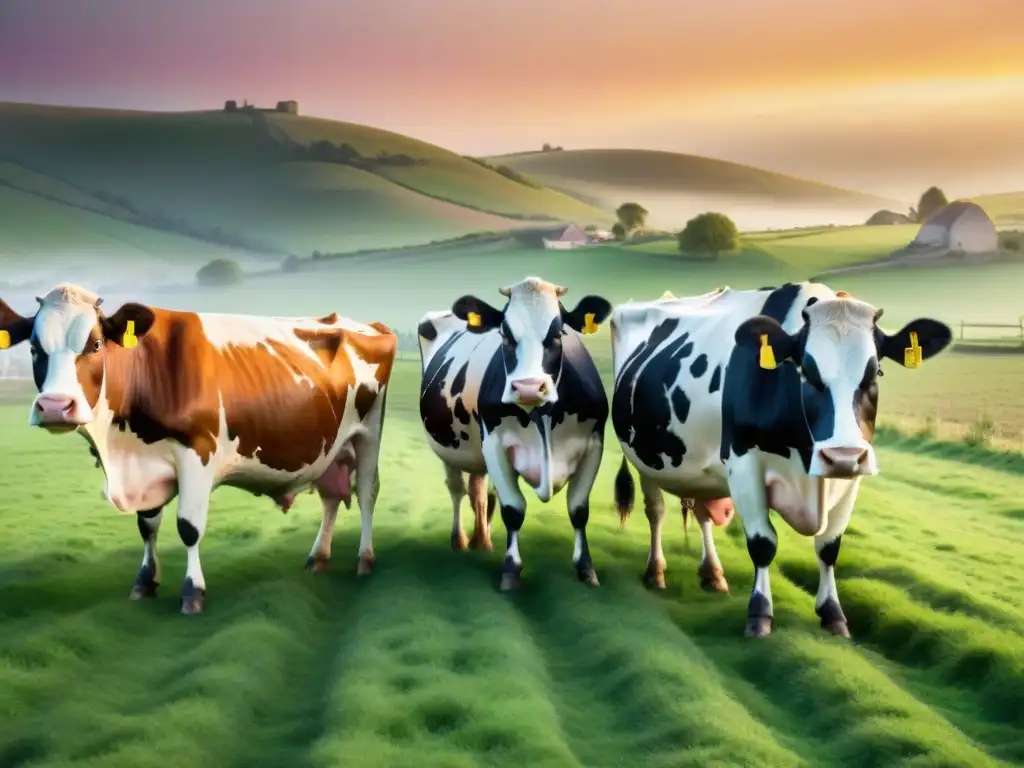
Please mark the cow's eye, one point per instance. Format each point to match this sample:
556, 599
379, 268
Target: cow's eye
97, 345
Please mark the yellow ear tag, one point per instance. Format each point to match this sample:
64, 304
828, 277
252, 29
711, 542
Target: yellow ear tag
5, 340
589, 326
129, 339
913, 357
767, 354
473, 319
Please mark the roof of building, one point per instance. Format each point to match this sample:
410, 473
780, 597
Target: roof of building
944, 217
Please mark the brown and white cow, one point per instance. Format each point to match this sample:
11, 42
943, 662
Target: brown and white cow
175, 404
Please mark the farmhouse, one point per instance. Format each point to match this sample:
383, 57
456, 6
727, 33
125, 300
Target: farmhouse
570, 237
960, 226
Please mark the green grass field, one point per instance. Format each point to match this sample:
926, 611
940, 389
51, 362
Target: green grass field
427, 664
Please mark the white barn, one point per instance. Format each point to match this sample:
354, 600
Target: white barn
959, 226
570, 237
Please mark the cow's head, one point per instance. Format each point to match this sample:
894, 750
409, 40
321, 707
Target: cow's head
531, 327
838, 350
70, 339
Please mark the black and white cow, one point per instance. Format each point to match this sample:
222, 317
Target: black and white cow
514, 393
698, 415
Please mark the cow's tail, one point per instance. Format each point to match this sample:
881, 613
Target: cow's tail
625, 492
686, 505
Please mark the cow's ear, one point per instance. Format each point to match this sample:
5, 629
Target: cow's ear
14, 328
588, 314
478, 314
129, 324
931, 336
764, 331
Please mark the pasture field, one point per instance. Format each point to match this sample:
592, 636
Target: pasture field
425, 663
806, 251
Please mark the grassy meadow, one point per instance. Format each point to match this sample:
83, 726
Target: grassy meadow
425, 663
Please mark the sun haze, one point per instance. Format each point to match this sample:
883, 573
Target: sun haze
879, 94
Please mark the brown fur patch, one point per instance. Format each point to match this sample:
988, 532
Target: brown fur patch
171, 385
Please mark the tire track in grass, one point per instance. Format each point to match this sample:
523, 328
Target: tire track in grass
437, 670
625, 678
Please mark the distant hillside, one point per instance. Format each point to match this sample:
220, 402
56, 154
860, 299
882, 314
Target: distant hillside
261, 182
1006, 209
673, 185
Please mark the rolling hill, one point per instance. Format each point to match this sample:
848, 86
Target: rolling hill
675, 186
259, 181
1005, 209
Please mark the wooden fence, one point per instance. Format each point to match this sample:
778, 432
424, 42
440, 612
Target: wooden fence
1017, 328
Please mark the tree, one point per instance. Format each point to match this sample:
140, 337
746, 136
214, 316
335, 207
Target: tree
708, 233
618, 231
632, 216
220, 272
932, 200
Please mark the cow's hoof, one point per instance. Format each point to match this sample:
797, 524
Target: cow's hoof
758, 626
714, 583
317, 563
459, 541
510, 582
838, 628
479, 541
193, 604
654, 578
145, 591
588, 576
365, 567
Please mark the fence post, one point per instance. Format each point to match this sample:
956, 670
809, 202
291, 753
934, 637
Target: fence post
961, 330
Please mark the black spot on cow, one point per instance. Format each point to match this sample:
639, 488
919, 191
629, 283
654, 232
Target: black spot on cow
427, 330
762, 408
716, 380
641, 406
780, 301
438, 418
187, 532
699, 366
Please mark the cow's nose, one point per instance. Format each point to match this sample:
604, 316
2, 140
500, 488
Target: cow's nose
55, 407
843, 460
530, 390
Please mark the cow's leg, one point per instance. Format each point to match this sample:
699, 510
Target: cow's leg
368, 485
194, 488
712, 576
654, 509
746, 484
320, 555
148, 578
455, 481
483, 510
826, 545
578, 501
513, 508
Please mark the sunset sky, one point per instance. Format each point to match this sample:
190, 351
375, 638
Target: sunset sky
880, 95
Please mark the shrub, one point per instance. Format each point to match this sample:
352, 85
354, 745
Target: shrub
709, 233
220, 272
